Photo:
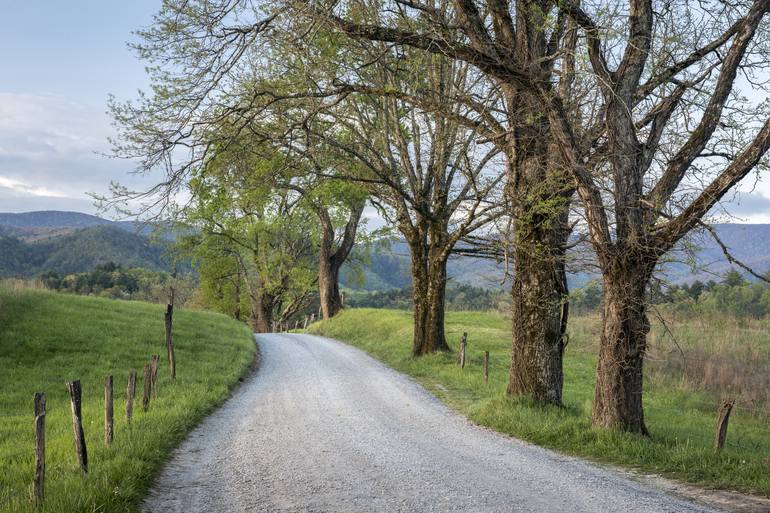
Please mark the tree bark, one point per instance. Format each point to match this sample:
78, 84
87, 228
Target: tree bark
619, 373
330, 260
539, 318
261, 313
329, 286
428, 294
540, 196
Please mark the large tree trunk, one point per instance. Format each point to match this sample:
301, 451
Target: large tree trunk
261, 315
331, 261
539, 313
329, 287
539, 195
428, 295
619, 373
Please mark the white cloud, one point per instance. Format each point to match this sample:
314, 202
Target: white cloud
51, 148
16, 186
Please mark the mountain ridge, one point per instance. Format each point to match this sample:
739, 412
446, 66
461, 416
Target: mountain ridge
65, 242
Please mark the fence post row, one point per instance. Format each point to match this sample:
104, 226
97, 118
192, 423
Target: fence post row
108, 413
73, 387
461, 356
38, 483
169, 318
723, 418
130, 393
147, 378
154, 362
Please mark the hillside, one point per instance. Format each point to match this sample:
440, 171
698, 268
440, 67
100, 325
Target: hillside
749, 243
78, 251
35, 242
48, 338
32, 243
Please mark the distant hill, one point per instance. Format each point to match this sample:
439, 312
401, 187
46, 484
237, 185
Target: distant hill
69, 242
749, 243
51, 219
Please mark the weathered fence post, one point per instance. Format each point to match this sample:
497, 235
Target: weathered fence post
296, 324
722, 420
312, 318
486, 366
73, 387
461, 356
342, 299
273, 324
38, 484
108, 412
169, 318
147, 387
154, 362
307, 320
130, 393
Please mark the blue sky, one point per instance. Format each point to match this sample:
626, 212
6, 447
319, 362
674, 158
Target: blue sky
60, 61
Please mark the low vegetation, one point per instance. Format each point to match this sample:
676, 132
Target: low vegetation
47, 339
115, 281
680, 406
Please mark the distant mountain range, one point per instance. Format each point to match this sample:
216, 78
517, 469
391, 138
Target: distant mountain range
66, 242
749, 243
32, 243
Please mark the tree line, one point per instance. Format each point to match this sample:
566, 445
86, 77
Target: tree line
510, 129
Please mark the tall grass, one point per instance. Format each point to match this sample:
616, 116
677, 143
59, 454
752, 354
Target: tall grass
680, 413
47, 339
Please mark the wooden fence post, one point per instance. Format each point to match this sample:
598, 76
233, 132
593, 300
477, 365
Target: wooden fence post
108, 412
486, 366
169, 318
38, 484
73, 387
312, 318
461, 356
307, 320
130, 393
342, 299
154, 362
273, 325
722, 420
147, 387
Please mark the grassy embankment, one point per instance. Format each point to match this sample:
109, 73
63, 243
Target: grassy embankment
47, 339
680, 410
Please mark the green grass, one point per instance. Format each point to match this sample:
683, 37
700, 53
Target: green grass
681, 419
47, 339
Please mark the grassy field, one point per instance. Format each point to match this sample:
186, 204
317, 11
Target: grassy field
679, 412
47, 339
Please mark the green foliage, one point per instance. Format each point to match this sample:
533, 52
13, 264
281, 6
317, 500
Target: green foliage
734, 296
681, 420
458, 297
256, 240
587, 298
117, 282
47, 339
79, 251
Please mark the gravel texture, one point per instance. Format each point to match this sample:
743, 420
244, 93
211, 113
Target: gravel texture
322, 427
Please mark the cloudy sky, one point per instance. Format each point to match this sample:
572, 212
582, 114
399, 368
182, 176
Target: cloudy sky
60, 62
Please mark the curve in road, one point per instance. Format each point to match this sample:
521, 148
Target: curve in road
323, 427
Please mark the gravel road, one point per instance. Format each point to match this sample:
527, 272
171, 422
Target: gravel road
322, 427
